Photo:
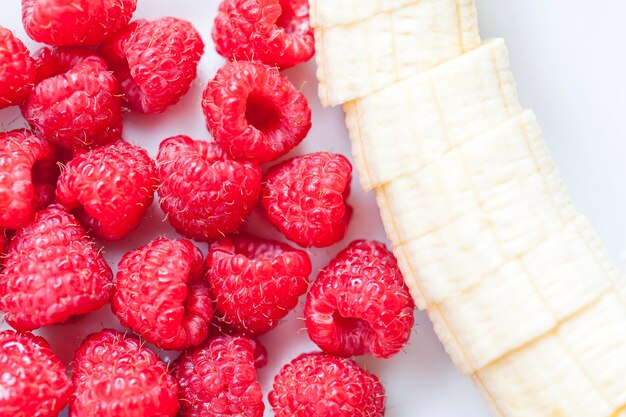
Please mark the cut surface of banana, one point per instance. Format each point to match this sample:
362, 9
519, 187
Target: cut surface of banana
362, 57
402, 128
518, 286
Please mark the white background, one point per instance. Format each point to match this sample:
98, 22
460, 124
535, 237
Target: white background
569, 61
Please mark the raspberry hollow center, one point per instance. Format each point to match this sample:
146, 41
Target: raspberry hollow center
357, 334
262, 114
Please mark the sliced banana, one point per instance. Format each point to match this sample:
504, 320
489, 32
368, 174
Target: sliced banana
326, 13
357, 59
518, 286
413, 123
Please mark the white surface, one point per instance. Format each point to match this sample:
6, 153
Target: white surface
570, 68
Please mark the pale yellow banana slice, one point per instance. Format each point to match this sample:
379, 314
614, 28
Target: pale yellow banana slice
542, 380
405, 127
357, 59
326, 13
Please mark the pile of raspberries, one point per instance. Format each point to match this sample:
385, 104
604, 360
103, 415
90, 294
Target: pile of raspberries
71, 177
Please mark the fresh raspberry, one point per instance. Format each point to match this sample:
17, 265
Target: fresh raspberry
115, 375
75, 22
33, 381
17, 70
360, 304
161, 296
256, 282
155, 61
275, 32
204, 194
254, 113
304, 198
322, 385
24, 156
77, 102
52, 271
109, 188
219, 379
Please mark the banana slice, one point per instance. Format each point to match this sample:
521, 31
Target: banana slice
403, 128
542, 380
357, 59
326, 13
597, 339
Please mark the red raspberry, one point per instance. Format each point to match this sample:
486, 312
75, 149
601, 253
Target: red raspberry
304, 198
115, 375
255, 113
33, 382
219, 379
360, 304
109, 188
161, 295
17, 70
155, 61
275, 32
256, 282
321, 385
24, 157
52, 271
75, 22
204, 194
77, 102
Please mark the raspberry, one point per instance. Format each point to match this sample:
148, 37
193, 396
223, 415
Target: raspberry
275, 32
52, 271
321, 385
77, 102
33, 382
255, 113
219, 379
115, 375
220, 328
75, 22
109, 188
27, 176
17, 70
204, 194
304, 198
155, 61
161, 295
360, 304
256, 282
